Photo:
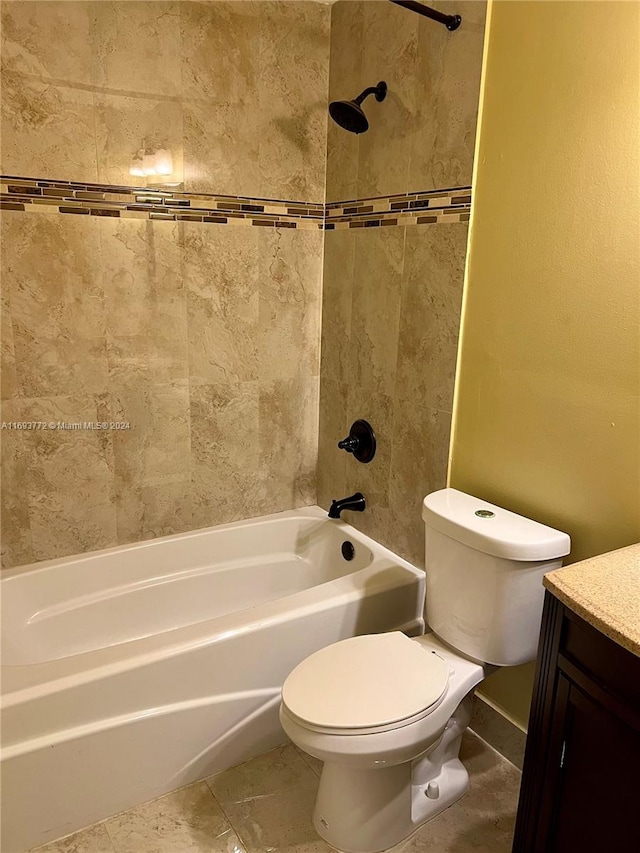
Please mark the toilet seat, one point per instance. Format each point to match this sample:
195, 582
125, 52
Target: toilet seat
366, 684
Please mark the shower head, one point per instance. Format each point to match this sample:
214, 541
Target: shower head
350, 115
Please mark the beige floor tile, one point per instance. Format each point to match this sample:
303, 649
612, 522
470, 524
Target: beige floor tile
483, 820
265, 806
495, 729
314, 763
95, 839
185, 821
269, 802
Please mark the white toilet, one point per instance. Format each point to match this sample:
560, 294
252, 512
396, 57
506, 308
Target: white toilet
385, 712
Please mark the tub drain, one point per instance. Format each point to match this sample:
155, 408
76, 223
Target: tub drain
348, 551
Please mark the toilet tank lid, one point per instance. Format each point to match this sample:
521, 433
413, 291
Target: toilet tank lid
491, 529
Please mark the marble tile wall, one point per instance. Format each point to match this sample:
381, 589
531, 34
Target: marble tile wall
421, 137
236, 90
390, 322
392, 296
204, 338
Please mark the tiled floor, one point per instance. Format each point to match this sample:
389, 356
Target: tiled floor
266, 805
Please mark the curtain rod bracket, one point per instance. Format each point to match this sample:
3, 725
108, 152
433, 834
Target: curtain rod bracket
451, 22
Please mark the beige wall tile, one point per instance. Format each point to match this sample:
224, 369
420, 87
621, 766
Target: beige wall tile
294, 82
15, 524
398, 374
221, 149
345, 83
390, 44
47, 130
220, 64
371, 478
418, 467
58, 366
255, 79
373, 522
337, 298
156, 448
446, 102
221, 271
47, 102
147, 512
220, 348
422, 136
289, 312
237, 91
216, 435
8, 375
32, 34
430, 313
52, 269
145, 301
375, 313
69, 477
333, 427
288, 435
52, 278
127, 122
207, 338
136, 47
389, 355
225, 451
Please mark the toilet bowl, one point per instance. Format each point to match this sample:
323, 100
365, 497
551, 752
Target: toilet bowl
370, 742
385, 712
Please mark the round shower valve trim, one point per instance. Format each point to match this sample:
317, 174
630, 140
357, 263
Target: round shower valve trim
361, 441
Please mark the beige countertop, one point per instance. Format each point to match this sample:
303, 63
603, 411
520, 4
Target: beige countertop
605, 592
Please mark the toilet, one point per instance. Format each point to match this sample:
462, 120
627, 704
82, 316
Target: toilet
385, 712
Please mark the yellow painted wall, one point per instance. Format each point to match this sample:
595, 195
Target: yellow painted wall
547, 409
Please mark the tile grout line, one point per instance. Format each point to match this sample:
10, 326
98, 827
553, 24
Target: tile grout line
224, 811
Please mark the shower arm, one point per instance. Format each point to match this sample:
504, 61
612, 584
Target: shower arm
451, 22
372, 90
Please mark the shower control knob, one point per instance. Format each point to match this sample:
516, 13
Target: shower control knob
361, 441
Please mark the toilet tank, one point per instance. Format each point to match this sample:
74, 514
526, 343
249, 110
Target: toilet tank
484, 568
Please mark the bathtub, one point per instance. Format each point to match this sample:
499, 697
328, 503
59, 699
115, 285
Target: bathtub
129, 672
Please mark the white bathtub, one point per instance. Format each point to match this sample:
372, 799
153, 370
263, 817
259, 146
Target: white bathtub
132, 671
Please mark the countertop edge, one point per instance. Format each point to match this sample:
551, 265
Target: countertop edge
597, 590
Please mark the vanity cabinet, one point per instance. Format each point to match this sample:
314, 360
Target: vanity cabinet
581, 778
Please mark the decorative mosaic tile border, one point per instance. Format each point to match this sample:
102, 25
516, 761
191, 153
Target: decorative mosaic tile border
419, 208
34, 195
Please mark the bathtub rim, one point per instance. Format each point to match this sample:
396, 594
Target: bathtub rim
25, 682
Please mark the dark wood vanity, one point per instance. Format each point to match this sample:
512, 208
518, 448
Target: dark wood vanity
581, 779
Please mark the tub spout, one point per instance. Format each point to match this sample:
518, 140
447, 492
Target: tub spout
356, 503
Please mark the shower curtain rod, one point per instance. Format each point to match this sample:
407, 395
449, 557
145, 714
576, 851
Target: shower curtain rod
451, 22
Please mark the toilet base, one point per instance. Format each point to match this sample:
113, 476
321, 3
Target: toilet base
368, 811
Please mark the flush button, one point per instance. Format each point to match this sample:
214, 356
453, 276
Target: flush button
485, 513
